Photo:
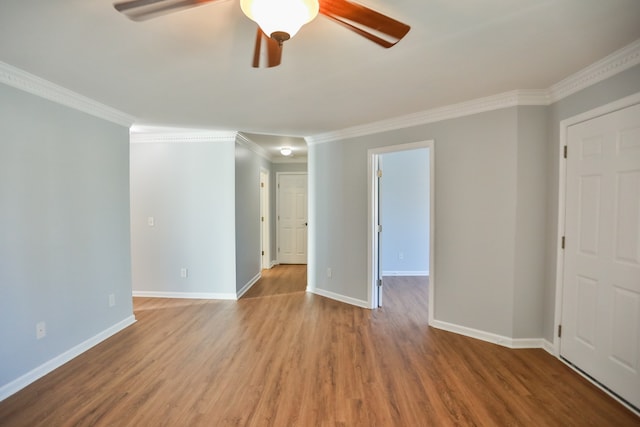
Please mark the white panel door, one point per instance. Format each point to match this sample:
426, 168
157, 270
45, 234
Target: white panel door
601, 288
292, 218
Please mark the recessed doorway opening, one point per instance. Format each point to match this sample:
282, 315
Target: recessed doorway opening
401, 217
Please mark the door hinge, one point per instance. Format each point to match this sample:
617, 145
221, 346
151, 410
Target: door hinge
262, 253
379, 283
559, 331
563, 241
379, 173
565, 151
379, 228
262, 218
262, 185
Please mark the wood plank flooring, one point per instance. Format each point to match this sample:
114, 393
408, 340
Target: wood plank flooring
281, 280
282, 357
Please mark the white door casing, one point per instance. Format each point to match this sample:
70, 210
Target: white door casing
601, 277
264, 220
292, 218
378, 222
374, 238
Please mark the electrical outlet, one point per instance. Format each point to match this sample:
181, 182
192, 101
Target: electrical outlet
151, 221
184, 272
329, 272
112, 300
41, 330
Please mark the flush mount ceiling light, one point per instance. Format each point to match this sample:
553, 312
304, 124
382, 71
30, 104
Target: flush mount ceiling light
280, 19
286, 151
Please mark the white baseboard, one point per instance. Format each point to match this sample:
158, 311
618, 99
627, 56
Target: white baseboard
248, 286
549, 348
184, 295
338, 297
490, 337
42, 370
274, 263
405, 273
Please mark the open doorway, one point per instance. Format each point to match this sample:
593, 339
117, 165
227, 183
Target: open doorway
401, 220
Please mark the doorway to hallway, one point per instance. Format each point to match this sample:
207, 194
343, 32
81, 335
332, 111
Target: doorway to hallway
280, 280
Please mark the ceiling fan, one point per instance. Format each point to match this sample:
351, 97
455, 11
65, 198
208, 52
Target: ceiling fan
279, 20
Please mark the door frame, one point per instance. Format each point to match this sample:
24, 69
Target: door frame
562, 184
278, 175
265, 241
372, 247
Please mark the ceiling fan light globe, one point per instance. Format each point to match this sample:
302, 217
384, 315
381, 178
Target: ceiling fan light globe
280, 16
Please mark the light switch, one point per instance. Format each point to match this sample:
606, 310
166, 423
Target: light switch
151, 221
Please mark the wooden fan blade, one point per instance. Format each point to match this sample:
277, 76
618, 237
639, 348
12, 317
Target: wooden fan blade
141, 10
362, 20
274, 50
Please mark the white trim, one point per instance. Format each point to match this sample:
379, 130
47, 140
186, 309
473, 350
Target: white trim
488, 336
274, 263
338, 297
27, 82
548, 347
265, 213
475, 106
145, 135
406, 273
615, 63
248, 143
42, 370
185, 295
249, 285
562, 182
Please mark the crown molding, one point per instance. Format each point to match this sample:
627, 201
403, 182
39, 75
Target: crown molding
24, 81
617, 62
248, 143
177, 135
467, 108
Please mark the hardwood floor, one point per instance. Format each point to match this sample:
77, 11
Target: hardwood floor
280, 280
288, 358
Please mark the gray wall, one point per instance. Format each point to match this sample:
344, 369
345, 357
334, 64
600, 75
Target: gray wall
247, 199
496, 191
188, 187
404, 210
64, 229
529, 276
476, 196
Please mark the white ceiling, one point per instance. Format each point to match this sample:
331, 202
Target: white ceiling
193, 68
